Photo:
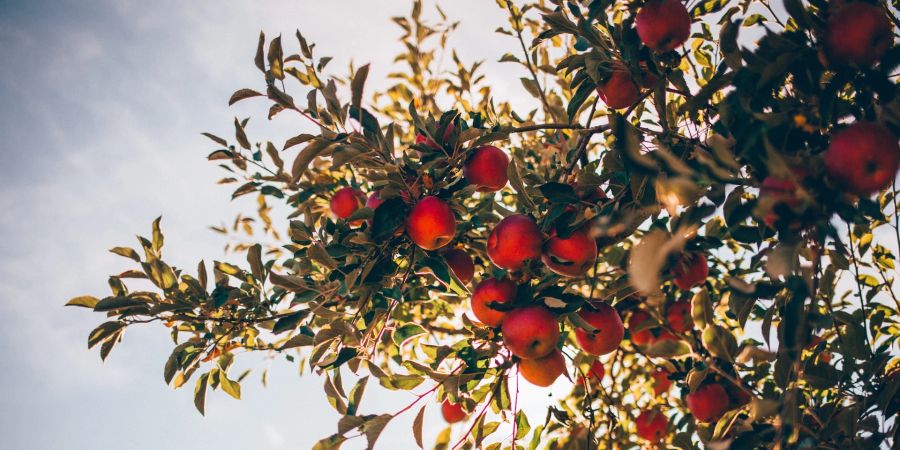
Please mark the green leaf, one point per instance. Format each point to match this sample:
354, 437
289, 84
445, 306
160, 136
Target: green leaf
406, 332
559, 193
84, 301
417, 427
127, 252
232, 388
242, 94
290, 322
118, 304
200, 392
522, 425
387, 218
356, 86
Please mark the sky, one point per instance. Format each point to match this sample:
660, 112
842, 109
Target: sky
103, 103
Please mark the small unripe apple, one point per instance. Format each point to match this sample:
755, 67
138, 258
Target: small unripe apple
431, 223
461, 264
453, 412
422, 139
545, 370
572, 256
639, 337
346, 201
609, 333
490, 291
863, 158
486, 169
663, 25
690, 270
619, 90
708, 402
513, 241
679, 316
530, 332
859, 34
651, 425
661, 381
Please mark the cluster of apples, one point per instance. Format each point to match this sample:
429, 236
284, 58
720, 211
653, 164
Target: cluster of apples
863, 157
662, 25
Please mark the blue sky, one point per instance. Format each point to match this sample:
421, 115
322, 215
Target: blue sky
103, 102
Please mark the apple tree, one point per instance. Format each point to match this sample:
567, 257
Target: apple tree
694, 230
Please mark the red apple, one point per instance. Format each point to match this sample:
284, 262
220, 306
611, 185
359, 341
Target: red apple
453, 412
661, 381
486, 169
643, 336
619, 90
422, 139
651, 425
863, 158
691, 270
775, 191
610, 330
490, 291
346, 201
571, 256
708, 402
431, 223
545, 370
461, 264
679, 316
530, 332
859, 34
663, 25
513, 241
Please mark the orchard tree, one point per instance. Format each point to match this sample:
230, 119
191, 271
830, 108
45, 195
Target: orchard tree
694, 230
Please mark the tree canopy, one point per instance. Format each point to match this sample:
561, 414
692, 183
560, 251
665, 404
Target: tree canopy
695, 228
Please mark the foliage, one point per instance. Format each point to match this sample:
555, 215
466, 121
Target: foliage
797, 318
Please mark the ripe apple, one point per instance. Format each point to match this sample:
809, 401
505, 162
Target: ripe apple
346, 201
640, 337
679, 316
530, 332
776, 190
663, 25
661, 381
513, 241
422, 139
691, 270
859, 34
545, 370
490, 291
651, 425
431, 223
619, 90
863, 158
461, 264
486, 169
571, 256
453, 412
708, 402
610, 330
